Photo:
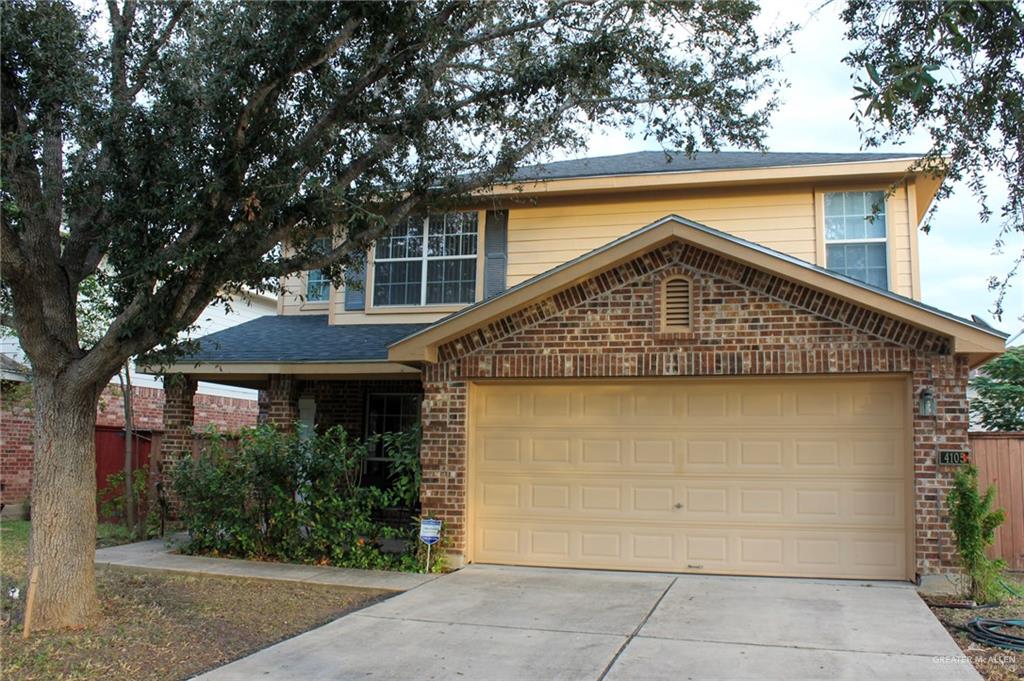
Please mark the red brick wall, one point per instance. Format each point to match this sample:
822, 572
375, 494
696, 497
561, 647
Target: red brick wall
15, 449
746, 322
224, 413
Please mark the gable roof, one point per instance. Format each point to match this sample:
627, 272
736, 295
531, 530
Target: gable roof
298, 339
978, 340
646, 162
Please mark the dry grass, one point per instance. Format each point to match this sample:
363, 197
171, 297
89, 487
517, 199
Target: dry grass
994, 664
163, 626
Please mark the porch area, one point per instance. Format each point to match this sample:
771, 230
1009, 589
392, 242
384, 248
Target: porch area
311, 376
364, 406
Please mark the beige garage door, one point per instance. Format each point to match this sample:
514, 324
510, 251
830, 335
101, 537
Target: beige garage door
761, 477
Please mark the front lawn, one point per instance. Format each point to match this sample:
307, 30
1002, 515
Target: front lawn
157, 625
994, 664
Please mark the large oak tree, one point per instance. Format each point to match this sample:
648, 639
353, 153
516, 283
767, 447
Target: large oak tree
179, 144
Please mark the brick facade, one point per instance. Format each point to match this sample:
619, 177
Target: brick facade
179, 416
16, 454
745, 322
343, 403
279, 402
223, 413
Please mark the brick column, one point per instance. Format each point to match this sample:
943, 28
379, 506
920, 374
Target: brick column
443, 454
282, 407
176, 443
179, 415
946, 376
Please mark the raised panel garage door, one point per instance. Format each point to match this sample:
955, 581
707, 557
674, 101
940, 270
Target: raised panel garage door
802, 477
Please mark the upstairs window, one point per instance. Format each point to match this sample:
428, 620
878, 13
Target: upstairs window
318, 287
855, 236
676, 304
427, 261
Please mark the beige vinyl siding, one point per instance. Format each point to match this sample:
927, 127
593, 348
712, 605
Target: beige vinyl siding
546, 235
901, 275
549, 233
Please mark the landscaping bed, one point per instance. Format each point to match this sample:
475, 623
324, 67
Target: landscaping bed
994, 664
156, 625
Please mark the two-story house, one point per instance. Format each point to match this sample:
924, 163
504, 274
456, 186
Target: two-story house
712, 365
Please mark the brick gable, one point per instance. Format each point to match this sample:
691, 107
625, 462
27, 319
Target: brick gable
745, 322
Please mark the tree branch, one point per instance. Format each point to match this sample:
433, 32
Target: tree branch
259, 96
154, 49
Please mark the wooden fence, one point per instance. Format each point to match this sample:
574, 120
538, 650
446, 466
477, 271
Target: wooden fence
1000, 461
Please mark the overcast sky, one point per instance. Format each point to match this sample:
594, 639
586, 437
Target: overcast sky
957, 256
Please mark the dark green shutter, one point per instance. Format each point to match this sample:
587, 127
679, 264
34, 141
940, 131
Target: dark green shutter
355, 285
495, 252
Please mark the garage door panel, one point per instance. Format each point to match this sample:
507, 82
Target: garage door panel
870, 555
610, 499
855, 402
790, 477
779, 451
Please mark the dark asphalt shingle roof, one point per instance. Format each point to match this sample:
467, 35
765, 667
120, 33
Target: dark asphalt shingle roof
299, 338
642, 162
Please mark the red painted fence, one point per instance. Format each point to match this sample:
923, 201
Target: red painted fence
1000, 461
110, 453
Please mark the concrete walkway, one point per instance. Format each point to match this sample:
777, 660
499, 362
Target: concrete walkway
503, 623
158, 554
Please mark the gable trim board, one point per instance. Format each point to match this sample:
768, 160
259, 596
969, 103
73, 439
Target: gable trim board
979, 343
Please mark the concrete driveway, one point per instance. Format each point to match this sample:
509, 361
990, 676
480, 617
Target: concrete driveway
506, 623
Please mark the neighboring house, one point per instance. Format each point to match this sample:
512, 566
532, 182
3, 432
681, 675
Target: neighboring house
223, 407
717, 365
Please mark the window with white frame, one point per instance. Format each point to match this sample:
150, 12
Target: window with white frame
318, 286
855, 234
427, 261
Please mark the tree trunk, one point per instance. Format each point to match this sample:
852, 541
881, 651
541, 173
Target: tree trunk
63, 539
129, 435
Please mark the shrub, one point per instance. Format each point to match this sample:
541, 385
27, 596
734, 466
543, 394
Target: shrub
280, 496
112, 498
974, 525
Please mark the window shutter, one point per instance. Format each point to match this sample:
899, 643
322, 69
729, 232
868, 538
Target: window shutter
677, 303
355, 284
495, 252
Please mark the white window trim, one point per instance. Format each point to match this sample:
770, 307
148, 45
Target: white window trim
867, 240
309, 280
424, 258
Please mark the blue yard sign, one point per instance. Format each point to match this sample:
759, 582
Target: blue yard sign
430, 531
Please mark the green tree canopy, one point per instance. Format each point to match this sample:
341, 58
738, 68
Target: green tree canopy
181, 143
999, 392
954, 70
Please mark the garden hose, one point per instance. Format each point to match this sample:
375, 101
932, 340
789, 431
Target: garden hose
992, 633
1015, 592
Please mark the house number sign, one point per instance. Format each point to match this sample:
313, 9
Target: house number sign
954, 458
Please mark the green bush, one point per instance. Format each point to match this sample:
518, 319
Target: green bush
112, 498
278, 496
974, 525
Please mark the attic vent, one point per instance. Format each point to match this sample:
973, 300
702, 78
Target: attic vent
676, 304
